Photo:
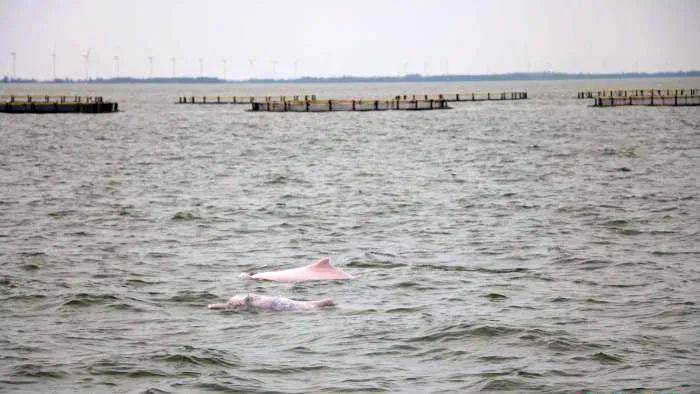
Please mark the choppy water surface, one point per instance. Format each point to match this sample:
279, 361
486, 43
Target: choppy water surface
536, 245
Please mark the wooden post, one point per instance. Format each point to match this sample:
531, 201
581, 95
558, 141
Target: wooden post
307, 105
330, 105
353, 105
376, 105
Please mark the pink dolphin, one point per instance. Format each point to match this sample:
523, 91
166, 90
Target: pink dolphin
320, 270
259, 301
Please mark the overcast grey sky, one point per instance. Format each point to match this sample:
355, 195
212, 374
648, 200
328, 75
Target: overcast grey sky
359, 37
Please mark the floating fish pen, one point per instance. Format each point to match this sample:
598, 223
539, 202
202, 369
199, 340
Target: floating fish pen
240, 99
457, 97
589, 94
56, 104
650, 100
348, 105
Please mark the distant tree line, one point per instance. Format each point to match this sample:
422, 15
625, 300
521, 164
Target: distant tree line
518, 76
7, 79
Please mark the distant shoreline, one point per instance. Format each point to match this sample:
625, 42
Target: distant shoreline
520, 76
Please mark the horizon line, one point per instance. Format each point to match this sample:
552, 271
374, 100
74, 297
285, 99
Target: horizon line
510, 76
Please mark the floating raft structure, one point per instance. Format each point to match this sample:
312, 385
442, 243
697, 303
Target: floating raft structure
453, 97
650, 100
413, 102
589, 94
240, 99
56, 104
348, 105
458, 97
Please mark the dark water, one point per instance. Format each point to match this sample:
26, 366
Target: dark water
541, 245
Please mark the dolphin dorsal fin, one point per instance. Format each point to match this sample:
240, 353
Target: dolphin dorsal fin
321, 264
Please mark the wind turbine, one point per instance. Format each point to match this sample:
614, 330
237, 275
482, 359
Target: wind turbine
150, 63
251, 62
224, 60
53, 59
86, 56
116, 66
14, 71
201, 67
274, 69
173, 59
296, 68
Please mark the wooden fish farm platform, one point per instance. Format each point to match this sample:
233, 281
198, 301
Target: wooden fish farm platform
56, 104
458, 97
653, 100
239, 99
348, 105
453, 97
589, 94
310, 103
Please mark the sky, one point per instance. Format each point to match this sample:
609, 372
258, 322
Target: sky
284, 39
